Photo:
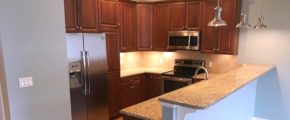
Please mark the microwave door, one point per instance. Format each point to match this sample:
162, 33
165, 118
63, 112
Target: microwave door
178, 43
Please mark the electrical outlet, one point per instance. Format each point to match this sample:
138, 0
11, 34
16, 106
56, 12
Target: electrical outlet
210, 64
25, 82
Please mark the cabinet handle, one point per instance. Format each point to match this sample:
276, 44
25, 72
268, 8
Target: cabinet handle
131, 87
80, 27
217, 49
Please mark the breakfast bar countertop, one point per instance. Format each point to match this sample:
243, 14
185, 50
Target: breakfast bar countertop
201, 94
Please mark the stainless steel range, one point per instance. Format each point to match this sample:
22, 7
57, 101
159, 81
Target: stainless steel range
184, 73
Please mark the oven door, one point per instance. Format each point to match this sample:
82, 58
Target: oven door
173, 83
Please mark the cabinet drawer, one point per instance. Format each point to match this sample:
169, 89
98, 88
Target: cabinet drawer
131, 79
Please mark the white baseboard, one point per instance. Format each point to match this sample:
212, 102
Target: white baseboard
256, 118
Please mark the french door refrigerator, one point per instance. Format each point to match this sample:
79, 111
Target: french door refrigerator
88, 76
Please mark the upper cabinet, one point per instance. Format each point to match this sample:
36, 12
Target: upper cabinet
109, 15
144, 27
220, 40
128, 31
81, 15
161, 18
186, 15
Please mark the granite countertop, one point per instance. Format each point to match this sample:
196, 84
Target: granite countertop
205, 93
147, 110
135, 71
200, 95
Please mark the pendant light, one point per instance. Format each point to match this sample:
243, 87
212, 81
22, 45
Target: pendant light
260, 24
243, 23
217, 21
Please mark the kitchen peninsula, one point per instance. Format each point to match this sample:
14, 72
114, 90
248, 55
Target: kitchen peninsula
233, 90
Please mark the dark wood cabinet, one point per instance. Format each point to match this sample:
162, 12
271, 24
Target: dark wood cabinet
113, 55
109, 15
185, 15
193, 15
70, 8
131, 91
220, 40
161, 18
144, 26
81, 15
113, 60
114, 93
152, 86
129, 38
177, 16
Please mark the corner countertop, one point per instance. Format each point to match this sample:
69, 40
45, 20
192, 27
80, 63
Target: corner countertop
135, 71
202, 94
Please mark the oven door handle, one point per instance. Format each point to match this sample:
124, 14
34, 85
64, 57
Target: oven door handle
189, 40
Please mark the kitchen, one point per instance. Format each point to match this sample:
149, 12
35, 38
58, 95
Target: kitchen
122, 61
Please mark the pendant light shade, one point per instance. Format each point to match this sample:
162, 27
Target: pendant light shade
260, 24
243, 23
217, 21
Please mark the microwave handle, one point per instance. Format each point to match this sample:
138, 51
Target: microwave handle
189, 40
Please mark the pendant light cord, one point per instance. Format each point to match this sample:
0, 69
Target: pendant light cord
244, 6
261, 7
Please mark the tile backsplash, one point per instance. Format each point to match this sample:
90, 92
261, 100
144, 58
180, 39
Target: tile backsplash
220, 63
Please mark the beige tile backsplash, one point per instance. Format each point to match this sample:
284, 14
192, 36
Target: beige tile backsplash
220, 63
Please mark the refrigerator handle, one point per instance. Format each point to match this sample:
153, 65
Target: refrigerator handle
84, 71
88, 73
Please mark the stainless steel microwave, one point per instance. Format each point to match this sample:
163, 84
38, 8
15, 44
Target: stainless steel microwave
183, 40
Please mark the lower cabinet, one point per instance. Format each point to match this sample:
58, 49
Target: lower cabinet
114, 92
131, 91
152, 86
138, 88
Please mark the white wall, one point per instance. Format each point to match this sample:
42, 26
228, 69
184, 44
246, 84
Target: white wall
270, 46
33, 43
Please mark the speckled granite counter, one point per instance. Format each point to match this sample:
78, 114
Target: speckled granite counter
200, 95
135, 71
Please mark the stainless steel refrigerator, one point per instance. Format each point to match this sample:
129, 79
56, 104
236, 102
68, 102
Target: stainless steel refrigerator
88, 76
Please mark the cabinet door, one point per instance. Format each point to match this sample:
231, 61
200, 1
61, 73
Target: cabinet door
108, 15
129, 41
177, 16
114, 92
131, 91
144, 27
113, 56
193, 15
209, 34
228, 43
87, 15
161, 15
152, 86
70, 8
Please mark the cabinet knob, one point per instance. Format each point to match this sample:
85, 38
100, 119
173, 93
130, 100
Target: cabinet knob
217, 49
119, 24
80, 27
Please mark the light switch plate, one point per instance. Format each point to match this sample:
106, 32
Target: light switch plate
25, 82
210, 64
